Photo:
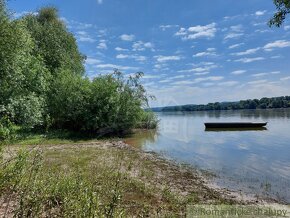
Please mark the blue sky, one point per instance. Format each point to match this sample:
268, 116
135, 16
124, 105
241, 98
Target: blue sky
190, 51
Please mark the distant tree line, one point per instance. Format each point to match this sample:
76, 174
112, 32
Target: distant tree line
263, 103
43, 83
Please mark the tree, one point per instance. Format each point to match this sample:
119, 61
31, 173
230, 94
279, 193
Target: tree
283, 8
54, 42
23, 76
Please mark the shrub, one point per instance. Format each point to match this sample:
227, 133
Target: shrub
6, 128
27, 111
148, 120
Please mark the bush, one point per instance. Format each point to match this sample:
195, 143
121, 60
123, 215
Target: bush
27, 111
148, 120
108, 104
6, 128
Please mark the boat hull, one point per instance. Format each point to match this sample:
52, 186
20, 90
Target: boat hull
234, 125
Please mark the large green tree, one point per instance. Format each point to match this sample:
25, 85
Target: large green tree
283, 9
23, 75
54, 42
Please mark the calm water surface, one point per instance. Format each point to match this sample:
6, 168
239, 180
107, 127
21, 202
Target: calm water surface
254, 161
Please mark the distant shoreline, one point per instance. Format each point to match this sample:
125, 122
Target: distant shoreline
263, 103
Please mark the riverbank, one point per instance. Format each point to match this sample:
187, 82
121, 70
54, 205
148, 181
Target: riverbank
134, 181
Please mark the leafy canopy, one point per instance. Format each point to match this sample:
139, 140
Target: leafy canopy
42, 82
283, 9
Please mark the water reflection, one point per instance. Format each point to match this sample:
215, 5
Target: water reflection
244, 158
142, 137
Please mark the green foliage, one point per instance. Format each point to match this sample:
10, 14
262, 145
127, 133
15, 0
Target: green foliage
68, 100
27, 111
148, 120
283, 9
53, 42
3, 13
23, 76
6, 129
108, 104
42, 82
263, 103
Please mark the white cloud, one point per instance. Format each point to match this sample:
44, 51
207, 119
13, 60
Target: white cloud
265, 74
249, 60
208, 52
165, 80
236, 45
122, 56
247, 52
147, 76
80, 25
165, 27
285, 78
121, 49
237, 28
136, 57
259, 74
210, 78
238, 72
86, 39
207, 31
233, 35
201, 68
275, 72
287, 27
182, 82
277, 56
201, 73
195, 32
198, 80
126, 37
102, 45
228, 83
178, 77
181, 32
113, 66
257, 82
83, 36
161, 58
235, 32
277, 44
260, 13
92, 61
141, 46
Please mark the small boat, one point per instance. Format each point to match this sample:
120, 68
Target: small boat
234, 125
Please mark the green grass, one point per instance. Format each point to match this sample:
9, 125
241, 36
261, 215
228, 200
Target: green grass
40, 137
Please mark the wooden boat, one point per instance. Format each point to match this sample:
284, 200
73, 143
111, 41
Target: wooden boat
235, 129
234, 125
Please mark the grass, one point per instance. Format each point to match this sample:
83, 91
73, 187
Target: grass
40, 137
97, 178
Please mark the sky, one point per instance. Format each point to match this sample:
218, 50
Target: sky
191, 52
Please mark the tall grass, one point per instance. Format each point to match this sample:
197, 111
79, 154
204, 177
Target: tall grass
30, 189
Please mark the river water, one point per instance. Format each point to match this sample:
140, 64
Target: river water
256, 161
